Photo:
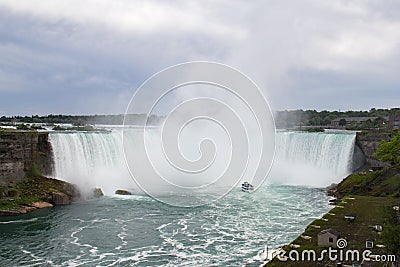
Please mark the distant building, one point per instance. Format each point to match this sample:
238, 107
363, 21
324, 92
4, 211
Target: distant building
328, 238
351, 120
394, 120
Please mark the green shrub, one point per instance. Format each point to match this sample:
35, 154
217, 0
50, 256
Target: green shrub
23, 127
390, 151
59, 128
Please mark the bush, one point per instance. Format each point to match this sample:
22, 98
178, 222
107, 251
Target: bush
59, 128
35, 172
391, 230
23, 127
315, 130
389, 151
37, 127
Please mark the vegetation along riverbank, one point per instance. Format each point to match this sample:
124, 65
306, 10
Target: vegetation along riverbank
365, 217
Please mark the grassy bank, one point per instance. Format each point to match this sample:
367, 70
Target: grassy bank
370, 196
33, 189
382, 183
369, 212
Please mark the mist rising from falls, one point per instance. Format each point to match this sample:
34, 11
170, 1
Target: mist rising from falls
95, 159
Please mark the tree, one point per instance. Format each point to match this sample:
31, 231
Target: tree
342, 122
390, 151
391, 238
391, 230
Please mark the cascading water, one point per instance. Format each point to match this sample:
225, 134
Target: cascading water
91, 159
95, 159
313, 159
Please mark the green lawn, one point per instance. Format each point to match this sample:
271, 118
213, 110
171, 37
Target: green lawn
369, 211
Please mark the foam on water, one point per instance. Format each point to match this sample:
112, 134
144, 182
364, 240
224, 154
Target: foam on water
19, 221
118, 231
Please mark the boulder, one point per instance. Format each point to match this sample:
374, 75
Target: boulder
58, 198
72, 191
97, 192
27, 209
41, 205
122, 192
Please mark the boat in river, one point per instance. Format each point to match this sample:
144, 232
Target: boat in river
247, 187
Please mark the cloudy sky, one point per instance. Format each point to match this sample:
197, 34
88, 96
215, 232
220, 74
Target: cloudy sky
86, 57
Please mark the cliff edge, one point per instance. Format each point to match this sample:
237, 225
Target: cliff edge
23, 153
25, 156
369, 143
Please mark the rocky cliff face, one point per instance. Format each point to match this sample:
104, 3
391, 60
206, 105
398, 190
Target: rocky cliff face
25, 157
23, 153
359, 160
369, 143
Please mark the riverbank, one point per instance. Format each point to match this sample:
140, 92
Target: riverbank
363, 202
35, 193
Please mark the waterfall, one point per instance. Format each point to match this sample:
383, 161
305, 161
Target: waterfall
315, 159
95, 159
91, 159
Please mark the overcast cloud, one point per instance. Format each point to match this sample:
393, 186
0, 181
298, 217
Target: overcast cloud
73, 56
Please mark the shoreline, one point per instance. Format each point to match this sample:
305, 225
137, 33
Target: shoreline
369, 213
26, 209
34, 193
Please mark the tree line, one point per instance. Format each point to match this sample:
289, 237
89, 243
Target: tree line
82, 120
283, 119
293, 118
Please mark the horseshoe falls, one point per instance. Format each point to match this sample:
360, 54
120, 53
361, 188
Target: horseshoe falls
137, 230
95, 159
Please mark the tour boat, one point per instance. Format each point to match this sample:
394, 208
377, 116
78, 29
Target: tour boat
247, 187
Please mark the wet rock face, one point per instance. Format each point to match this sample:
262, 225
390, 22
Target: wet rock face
23, 154
58, 198
97, 192
68, 194
359, 160
369, 144
71, 191
122, 192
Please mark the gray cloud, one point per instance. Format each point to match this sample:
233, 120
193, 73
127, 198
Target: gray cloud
89, 56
